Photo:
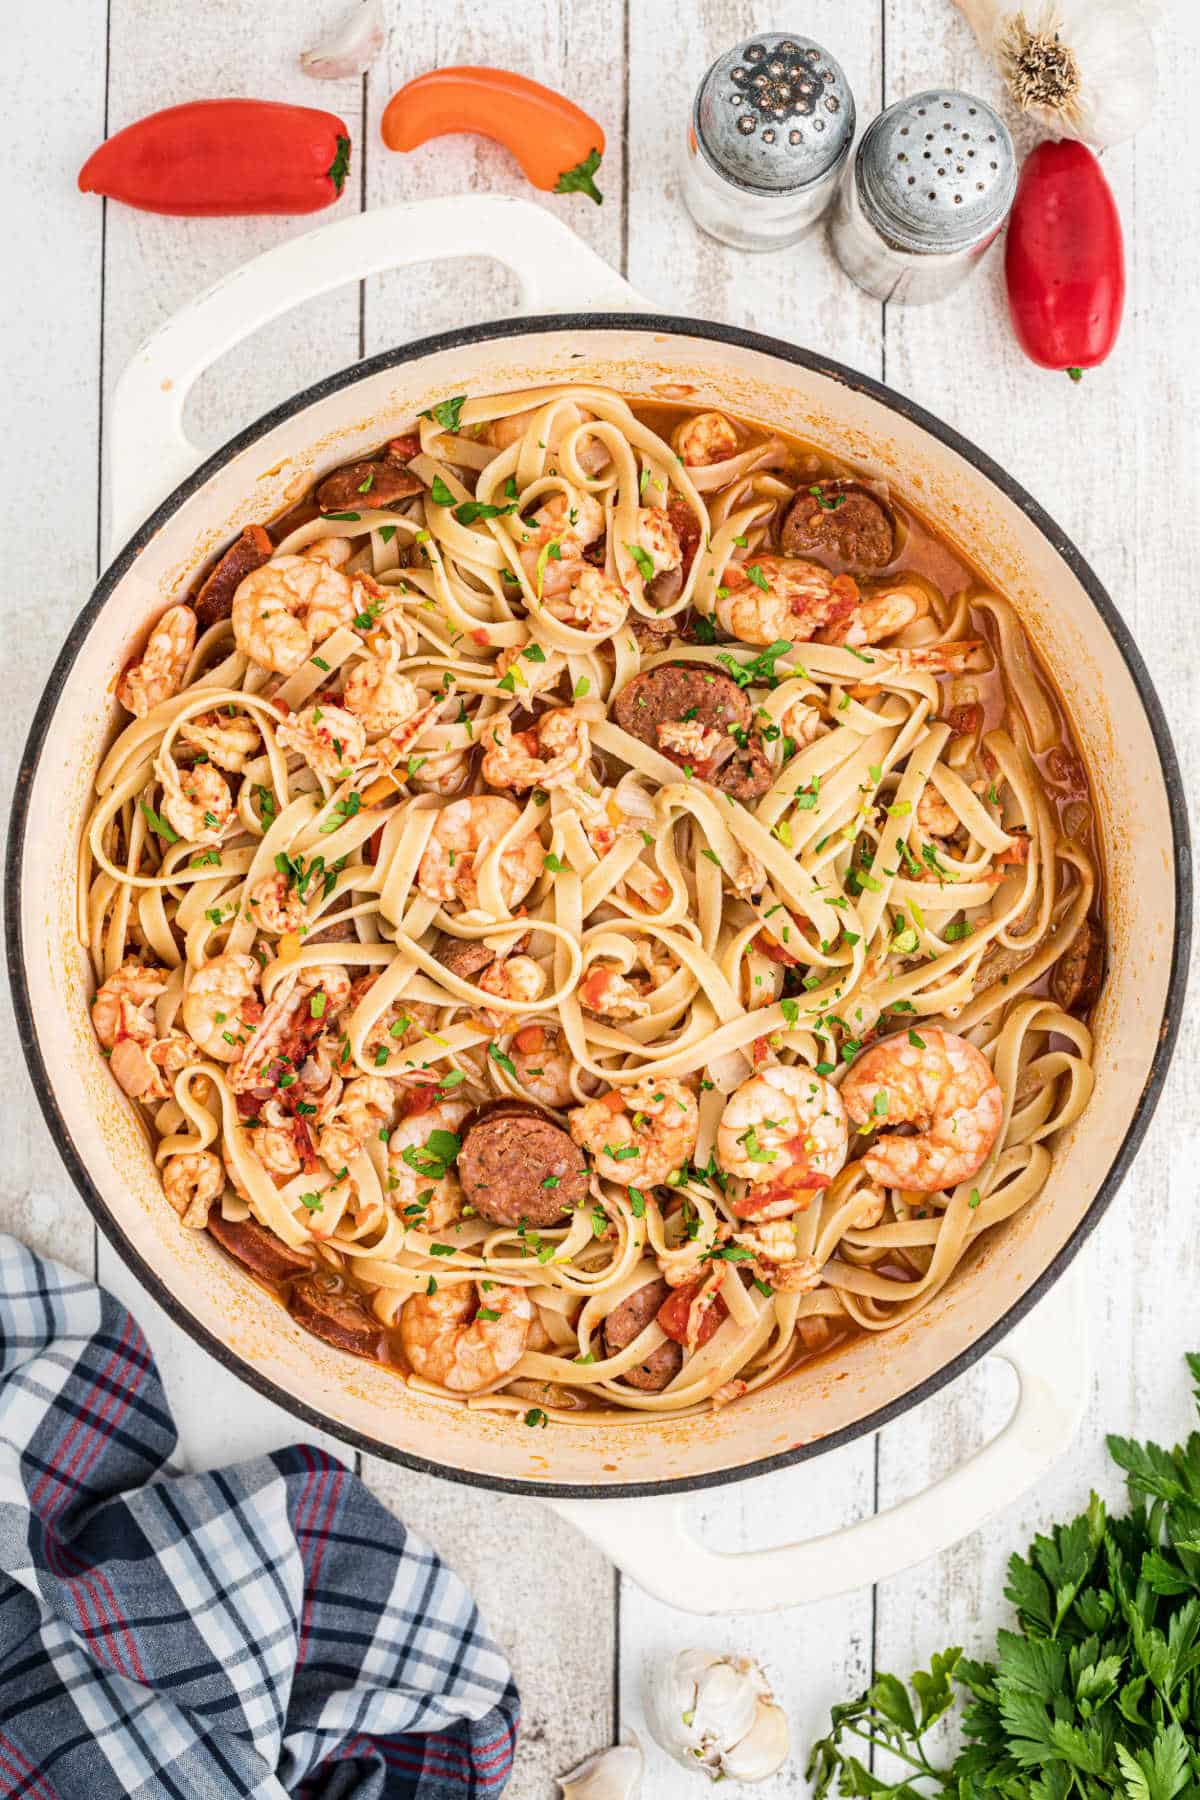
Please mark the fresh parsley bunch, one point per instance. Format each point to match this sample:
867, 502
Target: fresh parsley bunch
1096, 1693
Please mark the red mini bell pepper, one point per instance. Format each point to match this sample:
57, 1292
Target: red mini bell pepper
1064, 260
219, 157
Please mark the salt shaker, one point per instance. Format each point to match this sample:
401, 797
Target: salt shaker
929, 188
772, 125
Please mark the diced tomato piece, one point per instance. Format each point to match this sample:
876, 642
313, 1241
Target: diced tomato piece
529, 1040
614, 1100
675, 1310
687, 530
418, 1099
480, 636
777, 952
403, 449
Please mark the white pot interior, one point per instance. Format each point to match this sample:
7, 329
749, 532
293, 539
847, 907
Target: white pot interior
1111, 726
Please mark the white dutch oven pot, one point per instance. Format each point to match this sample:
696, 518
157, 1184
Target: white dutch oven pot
1107, 692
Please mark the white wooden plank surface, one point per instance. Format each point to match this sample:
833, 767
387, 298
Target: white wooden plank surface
1115, 460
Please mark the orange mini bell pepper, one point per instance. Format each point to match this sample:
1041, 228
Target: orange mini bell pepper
556, 143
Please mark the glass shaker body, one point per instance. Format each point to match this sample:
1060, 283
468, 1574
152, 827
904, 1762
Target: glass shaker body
771, 127
924, 196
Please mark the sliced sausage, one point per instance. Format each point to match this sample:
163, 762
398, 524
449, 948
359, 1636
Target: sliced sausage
325, 1306
257, 1248
464, 957
214, 602
509, 1153
1075, 979
675, 693
842, 521
746, 775
366, 484
338, 931
624, 1323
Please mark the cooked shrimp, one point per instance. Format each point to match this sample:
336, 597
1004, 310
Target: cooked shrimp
228, 742
607, 993
378, 695
591, 454
160, 670
330, 740
877, 617
657, 539
575, 519
688, 738
288, 1025
196, 802
516, 978
421, 1186
219, 1002
531, 677
367, 1107
657, 1120
777, 1259
544, 1064
703, 439
443, 775
553, 753
192, 1180
403, 1023
784, 1132
591, 603
802, 722
122, 1007
935, 815
283, 610
274, 1140
780, 597
147, 1071
945, 1087
336, 551
465, 1340
465, 834
275, 906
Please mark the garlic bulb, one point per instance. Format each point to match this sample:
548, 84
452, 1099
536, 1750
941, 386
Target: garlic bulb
1081, 68
612, 1775
717, 1713
351, 46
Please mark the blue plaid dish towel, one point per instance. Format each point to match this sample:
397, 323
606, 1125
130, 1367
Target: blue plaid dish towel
267, 1629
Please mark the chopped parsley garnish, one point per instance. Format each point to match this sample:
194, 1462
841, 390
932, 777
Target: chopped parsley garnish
158, 824
447, 413
645, 563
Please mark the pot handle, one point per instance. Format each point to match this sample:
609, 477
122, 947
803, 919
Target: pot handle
150, 451
651, 1539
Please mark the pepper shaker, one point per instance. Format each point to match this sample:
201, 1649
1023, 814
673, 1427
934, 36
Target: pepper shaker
929, 188
772, 125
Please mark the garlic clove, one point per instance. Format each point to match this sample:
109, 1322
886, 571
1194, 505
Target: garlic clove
351, 46
718, 1714
725, 1704
763, 1750
611, 1775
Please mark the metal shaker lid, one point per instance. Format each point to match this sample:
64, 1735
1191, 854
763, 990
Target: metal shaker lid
937, 172
775, 113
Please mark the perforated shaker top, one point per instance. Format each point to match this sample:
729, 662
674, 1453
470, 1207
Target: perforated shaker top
775, 113
937, 171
